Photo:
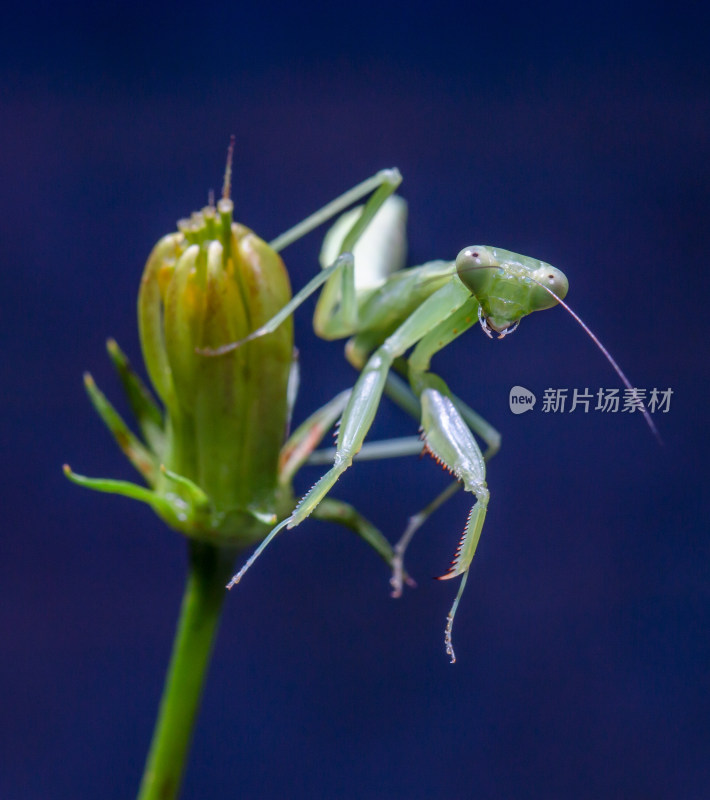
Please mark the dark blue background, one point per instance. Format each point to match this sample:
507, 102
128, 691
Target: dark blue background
577, 136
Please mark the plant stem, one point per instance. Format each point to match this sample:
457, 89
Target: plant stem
210, 568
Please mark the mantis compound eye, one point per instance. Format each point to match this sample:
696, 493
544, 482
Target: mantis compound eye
551, 286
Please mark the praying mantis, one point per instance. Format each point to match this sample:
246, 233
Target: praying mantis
386, 312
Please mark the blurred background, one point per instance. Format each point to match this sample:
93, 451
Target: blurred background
576, 134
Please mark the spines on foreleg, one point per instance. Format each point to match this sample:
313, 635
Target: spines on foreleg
449, 440
468, 543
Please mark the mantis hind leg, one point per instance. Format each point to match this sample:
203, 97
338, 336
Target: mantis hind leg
415, 522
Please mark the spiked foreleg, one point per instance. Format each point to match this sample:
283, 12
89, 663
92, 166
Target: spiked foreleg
449, 440
417, 368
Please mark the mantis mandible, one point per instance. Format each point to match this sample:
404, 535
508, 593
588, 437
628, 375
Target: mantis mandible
387, 311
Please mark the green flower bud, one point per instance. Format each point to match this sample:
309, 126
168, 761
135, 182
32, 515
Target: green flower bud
213, 467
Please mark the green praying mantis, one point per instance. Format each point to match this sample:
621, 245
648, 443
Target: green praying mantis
396, 320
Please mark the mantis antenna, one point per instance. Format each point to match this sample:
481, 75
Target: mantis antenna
605, 352
609, 358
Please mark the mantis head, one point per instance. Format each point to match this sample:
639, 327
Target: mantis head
508, 286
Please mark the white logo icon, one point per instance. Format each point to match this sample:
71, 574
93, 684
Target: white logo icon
521, 400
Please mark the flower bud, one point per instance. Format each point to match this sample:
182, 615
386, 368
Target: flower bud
210, 283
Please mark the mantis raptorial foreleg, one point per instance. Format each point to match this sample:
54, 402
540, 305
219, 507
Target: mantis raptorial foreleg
398, 391
451, 442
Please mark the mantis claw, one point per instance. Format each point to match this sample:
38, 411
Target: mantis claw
398, 580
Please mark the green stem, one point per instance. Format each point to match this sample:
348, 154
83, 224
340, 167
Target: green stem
209, 570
